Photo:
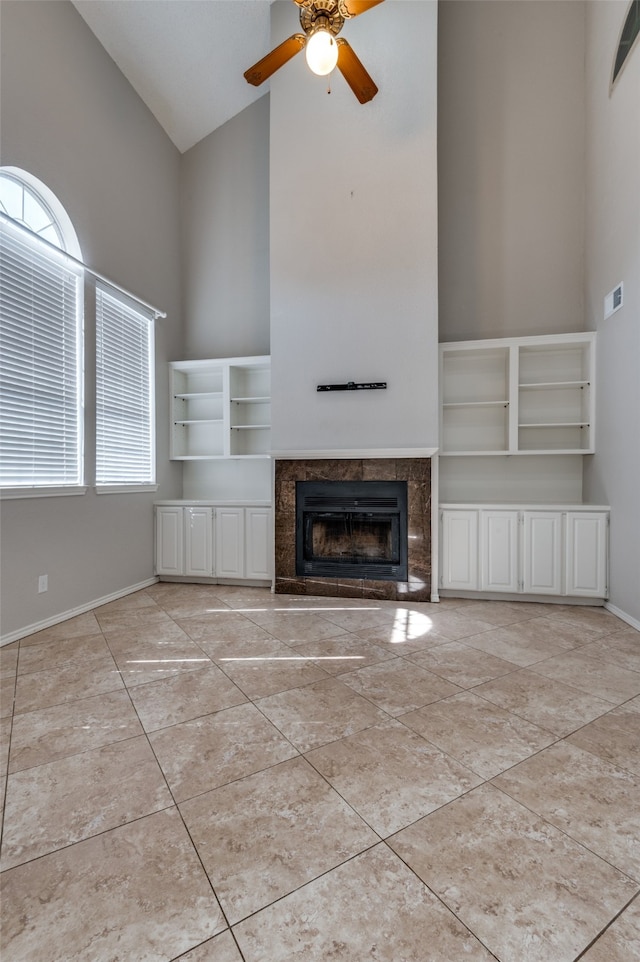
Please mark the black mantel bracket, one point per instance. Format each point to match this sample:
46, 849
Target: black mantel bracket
353, 386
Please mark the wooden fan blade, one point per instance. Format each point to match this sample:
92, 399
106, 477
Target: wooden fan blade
264, 68
354, 73
353, 8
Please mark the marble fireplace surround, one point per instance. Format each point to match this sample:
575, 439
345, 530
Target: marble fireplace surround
415, 471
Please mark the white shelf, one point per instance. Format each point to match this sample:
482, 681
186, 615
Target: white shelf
208, 397
509, 396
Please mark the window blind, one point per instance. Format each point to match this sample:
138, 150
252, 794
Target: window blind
125, 425
40, 364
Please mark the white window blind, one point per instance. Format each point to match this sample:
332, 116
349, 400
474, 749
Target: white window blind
40, 364
125, 425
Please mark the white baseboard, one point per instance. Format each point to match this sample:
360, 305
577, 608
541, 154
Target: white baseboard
81, 610
622, 615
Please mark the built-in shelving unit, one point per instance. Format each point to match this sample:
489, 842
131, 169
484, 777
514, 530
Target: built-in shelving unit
220, 408
530, 395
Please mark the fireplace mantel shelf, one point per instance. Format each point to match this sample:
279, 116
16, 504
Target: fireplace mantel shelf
354, 454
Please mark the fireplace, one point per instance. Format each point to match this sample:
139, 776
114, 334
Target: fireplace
369, 537
352, 529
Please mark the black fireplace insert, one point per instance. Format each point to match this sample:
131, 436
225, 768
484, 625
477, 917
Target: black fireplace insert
352, 529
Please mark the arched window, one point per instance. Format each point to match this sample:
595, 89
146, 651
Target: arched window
628, 37
41, 369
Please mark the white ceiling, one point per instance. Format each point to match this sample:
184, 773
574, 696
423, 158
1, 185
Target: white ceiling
186, 58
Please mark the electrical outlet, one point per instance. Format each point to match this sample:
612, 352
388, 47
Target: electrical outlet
43, 583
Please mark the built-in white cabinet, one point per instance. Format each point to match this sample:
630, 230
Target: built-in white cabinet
527, 550
542, 552
230, 542
586, 553
213, 542
220, 408
459, 550
524, 395
498, 550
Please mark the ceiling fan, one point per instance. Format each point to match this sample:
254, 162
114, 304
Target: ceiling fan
322, 21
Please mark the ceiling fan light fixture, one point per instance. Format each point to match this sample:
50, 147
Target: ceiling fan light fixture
321, 52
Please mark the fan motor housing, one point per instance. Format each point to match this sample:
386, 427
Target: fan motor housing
322, 15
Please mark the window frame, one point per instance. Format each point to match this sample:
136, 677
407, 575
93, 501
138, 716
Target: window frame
43, 262
133, 309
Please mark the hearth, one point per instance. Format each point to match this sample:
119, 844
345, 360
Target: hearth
352, 529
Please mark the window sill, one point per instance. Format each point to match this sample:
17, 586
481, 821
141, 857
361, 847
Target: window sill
125, 488
7, 494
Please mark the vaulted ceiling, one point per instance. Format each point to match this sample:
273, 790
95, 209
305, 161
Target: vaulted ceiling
186, 58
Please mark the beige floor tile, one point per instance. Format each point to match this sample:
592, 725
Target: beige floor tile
319, 713
401, 638
54, 805
9, 659
576, 669
222, 948
184, 696
5, 741
594, 617
137, 599
296, 627
86, 624
344, 653
127, 637
614, 737
589, 799
530, 893
136, 892
7, 694
621, 941
391, 776
260, 675
50, 733
144, 616
481, 736
352, 618
372, 907
226, 624
498, 613
621, 648
266, 835
94, 675
543, 701
246, 642
145, 664
398, 686
528, 642
457, 624
202, 754
60, 651
462, 665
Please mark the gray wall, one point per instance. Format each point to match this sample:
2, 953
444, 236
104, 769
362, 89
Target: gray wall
511, 168
354, 240
70, 118
613, 255
225, 238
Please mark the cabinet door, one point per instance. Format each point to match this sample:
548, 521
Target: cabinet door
586, 554
169, 541
499, 550
198, 538
258, 543
229, 538
460, 549
542, 552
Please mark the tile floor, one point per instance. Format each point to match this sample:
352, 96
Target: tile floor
217, 774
